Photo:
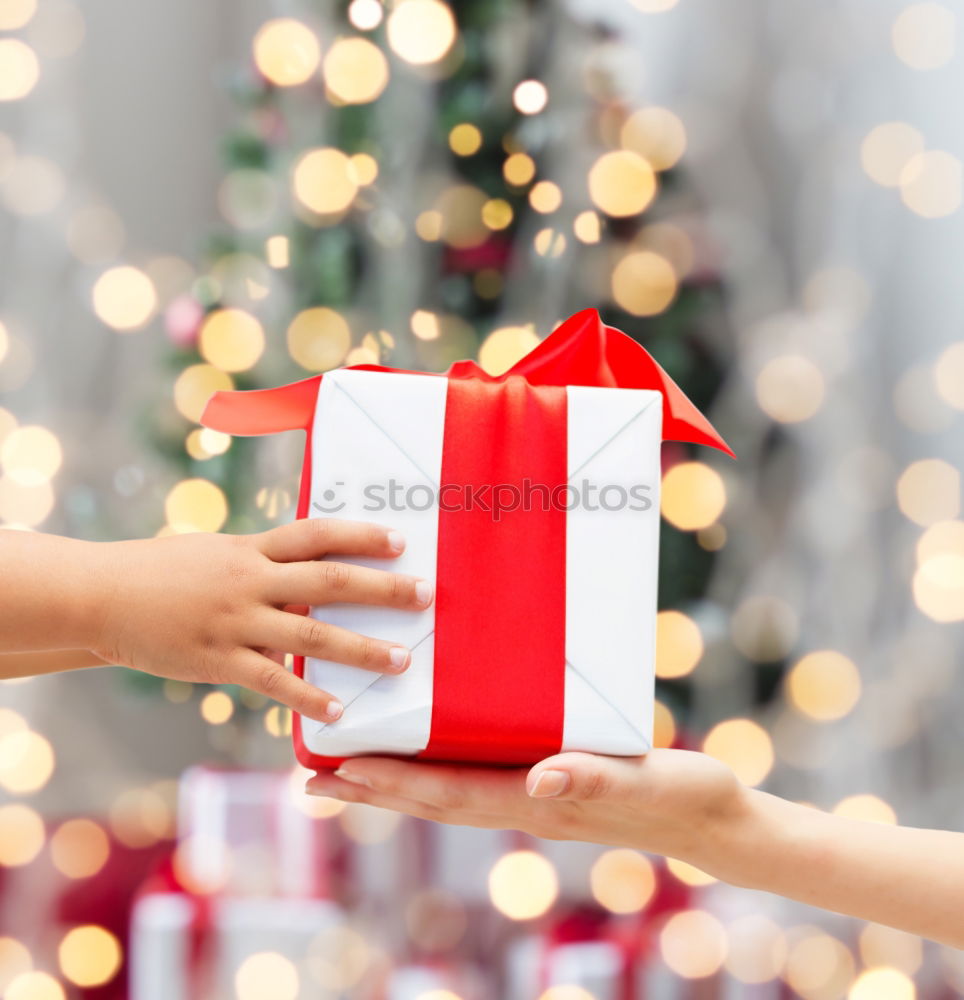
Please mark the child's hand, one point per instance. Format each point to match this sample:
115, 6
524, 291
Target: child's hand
672, 802
212, 608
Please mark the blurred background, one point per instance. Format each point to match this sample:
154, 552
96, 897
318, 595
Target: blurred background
765, 193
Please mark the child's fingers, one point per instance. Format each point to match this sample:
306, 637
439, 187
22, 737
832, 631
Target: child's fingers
303, 636
257, 672
314, 537
326, 582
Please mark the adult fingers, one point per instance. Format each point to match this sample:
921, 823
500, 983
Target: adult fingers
303, 636
583, 777
327, 582
447, 787
314, 537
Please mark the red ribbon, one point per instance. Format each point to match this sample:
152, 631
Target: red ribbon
508, 635
500, 622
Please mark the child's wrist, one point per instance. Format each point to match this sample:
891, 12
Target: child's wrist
91, 596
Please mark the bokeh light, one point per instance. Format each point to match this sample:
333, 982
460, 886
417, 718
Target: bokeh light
688, 874
79, 848
421, 31
89, 956
465, 139
882, 984
519, 169
693, 944
15, 14
286, 52
679, 644
319, 338
19, 69
325, 180
34, 986
929, 490
216, 708
26, 762
196, 505
622, 183
744, 746
195, 386
664, 726
355, 70
231, 339
505, 346
824, 685
622, 881
365, 14
266, 974
31, 455
124, 298
656, 134
867, 809
644, 283
790, 389
931, 184
757, 949
880, 945
818, 966
924, 35
693, 496
15, 959
530, 97
523, 885
22, 834
887, 149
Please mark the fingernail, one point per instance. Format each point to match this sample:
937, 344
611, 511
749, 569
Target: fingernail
355, 779
334, 710
396, 541
399, 656
548, 784
423, 592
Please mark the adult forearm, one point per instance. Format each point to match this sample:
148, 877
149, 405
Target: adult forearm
900, 876
53, 592
51, 661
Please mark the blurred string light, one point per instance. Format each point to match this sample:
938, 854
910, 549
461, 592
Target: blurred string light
693, 496
693, 944
196, 505
644, 283
355, 71
882, 984
22, 834
264, 974
519, 169
949, 375
790, 389
505, 346
549, 243
928, 491
324, 180
286, 52
195, 386
216, 708
564, 992
19, 69
656, 134
140, 817
497, 213
880, 945
319, 338
823, 686
818, 966
31, 455
744, 746
26, 762
587, 227
33, 186
931, 184
337, 958
15, 14
622, 183
421, 31
465, 139
89, 956
622, 881
679, 645
231, 339
757, 949
887, 149
277, 251
124, 298
530, 97
34, 986
924, 35
664, 726
688, 874
15, 959
545, 197
365, 14
79, 848
867, 809
523, 885
654, 6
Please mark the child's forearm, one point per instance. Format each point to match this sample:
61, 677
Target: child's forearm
46, 662
900, 876
53, 592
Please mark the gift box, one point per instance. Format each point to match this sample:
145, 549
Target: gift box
531, 499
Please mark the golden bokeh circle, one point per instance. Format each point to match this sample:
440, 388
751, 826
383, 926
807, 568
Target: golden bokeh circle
325, 181
622, 183
286, 51
355, 70
231, 339
644, 283
693, 496
89, 956
319, 338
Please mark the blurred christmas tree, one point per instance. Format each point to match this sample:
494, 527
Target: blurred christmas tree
416, 183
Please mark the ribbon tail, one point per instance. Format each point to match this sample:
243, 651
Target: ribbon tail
263, 411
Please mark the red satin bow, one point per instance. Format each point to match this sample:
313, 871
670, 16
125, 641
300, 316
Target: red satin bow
581, 351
